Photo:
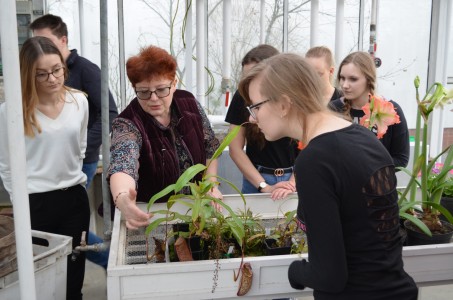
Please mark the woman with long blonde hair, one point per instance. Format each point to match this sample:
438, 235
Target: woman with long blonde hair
357, 79
55, 121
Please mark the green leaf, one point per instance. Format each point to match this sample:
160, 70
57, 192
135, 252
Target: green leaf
226, 141
234, 187
153, 225
188, 175
416, 222
159, 195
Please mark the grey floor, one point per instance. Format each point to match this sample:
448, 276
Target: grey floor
95, 287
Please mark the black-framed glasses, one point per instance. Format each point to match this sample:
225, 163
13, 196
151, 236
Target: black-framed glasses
160, 93
44, 76
252, 108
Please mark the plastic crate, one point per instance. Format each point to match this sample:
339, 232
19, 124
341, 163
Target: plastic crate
50, 253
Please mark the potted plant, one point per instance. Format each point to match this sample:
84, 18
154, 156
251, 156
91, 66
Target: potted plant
280, 240
198, 203
447, 194
427, 219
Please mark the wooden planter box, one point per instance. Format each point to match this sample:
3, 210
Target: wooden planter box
428, 265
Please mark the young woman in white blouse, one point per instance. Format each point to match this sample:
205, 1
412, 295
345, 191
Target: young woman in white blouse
55, 127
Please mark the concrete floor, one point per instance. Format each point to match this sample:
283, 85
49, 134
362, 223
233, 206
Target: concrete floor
95, 287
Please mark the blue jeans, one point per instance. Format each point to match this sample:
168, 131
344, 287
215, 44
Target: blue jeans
99, 258
90, 170
248, 188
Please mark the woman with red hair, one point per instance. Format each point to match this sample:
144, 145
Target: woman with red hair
161, 133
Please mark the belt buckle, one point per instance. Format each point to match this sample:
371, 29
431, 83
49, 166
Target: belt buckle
279, 172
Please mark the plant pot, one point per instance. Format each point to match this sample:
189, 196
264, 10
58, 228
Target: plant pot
180, 227
416, 237
198, 248
446, 202
272, 249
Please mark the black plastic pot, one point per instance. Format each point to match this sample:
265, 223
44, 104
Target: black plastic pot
270, 248
416, 237
180, 227
446, 202
196, 245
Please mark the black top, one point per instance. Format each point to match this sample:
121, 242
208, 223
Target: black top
86, 77
277, 154
337, 93
395, 140
348, 205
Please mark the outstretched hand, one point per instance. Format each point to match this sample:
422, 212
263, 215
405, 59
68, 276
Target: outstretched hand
133, 215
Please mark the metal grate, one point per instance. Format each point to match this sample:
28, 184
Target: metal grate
135, 248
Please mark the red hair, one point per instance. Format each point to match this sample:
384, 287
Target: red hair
152, 62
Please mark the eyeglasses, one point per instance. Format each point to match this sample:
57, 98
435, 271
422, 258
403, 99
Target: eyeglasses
160, 93
44, 76
253, 107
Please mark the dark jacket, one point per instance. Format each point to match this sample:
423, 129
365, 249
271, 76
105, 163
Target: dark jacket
86, 77
159, 163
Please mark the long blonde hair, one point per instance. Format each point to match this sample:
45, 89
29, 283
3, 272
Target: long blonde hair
32, 50
290, 75
364, 62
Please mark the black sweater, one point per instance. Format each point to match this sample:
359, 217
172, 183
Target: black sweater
395, 140
348, 206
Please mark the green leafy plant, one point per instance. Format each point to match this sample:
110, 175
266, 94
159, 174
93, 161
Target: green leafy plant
199, 201
436, 171
431, 189
283, 232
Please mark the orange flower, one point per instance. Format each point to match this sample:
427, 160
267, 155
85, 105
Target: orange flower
379, 115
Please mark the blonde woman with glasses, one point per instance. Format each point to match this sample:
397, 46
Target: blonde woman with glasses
345, 182
55, 123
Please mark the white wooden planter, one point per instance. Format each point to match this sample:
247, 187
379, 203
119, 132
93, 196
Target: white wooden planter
428, 265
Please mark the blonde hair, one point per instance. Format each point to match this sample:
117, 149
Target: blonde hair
365, 63
321, 52
287, 75
32, 50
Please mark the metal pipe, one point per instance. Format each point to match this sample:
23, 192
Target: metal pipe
361, 24
314, 23
16, 146
201, 86
189, 48
226, 48
437, 67
122, 60
339, 31
285, 25
373, 24
99, 247
105, 117
262, 14
82, 28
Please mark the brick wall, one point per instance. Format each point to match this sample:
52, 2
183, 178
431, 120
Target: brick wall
447, 138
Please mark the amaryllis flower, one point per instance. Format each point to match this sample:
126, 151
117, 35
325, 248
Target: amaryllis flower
379, 115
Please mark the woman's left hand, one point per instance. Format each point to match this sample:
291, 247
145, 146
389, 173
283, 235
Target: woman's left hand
282, 189
215, 193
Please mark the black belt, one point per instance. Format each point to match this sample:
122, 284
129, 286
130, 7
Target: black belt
277, 172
